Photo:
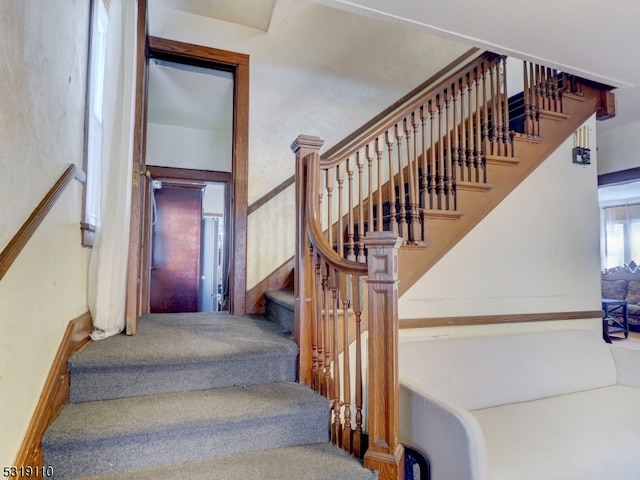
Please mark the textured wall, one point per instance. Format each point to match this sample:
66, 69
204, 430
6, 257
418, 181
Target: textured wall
43, 47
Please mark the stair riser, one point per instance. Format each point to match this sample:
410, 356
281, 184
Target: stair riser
280, 314
189, 443
109, 383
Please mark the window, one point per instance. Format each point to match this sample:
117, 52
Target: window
93, 138
621, 235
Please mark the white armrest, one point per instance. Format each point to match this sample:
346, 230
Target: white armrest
450, 436
627, 362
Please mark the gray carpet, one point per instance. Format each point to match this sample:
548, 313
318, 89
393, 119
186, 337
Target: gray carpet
188, 351
194, 396
279, 308
321, 461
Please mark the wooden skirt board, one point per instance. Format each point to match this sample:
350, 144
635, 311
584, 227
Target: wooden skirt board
175, 263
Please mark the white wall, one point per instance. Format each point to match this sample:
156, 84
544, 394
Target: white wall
618, 150
43, 46
319, 72
538, 251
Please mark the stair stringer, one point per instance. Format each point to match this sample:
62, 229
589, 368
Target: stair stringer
442, 234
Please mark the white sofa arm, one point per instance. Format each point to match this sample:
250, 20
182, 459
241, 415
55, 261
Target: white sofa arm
627, 362
450, 436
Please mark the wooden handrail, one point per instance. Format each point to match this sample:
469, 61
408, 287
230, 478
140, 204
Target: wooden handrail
28, 228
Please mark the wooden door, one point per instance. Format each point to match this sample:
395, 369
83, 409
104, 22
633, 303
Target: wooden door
175, 259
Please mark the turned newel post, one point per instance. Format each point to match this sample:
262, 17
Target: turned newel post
306, 149
385, 452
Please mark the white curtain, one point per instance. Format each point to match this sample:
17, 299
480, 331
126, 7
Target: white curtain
108, 264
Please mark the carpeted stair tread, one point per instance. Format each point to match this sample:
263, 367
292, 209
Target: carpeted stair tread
284, 298
178, 352
321, 461
132, 433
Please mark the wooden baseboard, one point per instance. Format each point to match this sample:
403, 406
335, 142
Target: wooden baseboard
280, 279
493, 319
55, 393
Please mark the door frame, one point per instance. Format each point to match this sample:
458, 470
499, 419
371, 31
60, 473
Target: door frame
139, 250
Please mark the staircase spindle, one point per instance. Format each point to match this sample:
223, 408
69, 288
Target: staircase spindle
433, 194
379, 152
456, 169
402, 220
528, 122
346, 354
360, 165
357, 310
340, 234
440, 190
557, 95
508, 147
330, 185
477, 146
534, 100
471, 160
327, 381
485, 112
424, 178
413, 208
336, 428
316, 346
393, 225
463, 161
351, 252
369, 153
448, 186
416, 178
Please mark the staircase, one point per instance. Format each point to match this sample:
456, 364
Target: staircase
198, 396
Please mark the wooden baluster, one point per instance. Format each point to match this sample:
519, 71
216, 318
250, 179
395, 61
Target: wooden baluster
508, 147
360, 165
385, 453
462, 157
528, 122
393, 225
414, 227
330, 185
328, 380
472, 161
402, 220
535, 111
351, 251
477, 152
425, 174
433, 194
336, 427
440, 190
357, 310
415, 117
455, 138
316, 346
557, 94
346, 355
379, 152
369, 152
499, 125
323, 339
448, 164
485, 110
494, 110
340, 240
549, 88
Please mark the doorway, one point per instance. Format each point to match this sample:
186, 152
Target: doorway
219, 64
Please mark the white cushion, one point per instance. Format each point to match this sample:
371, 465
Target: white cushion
483, 372
581, 436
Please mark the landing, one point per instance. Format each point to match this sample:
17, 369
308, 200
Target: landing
186, 338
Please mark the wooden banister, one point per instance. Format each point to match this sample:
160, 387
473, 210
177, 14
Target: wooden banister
356, 207
28, 228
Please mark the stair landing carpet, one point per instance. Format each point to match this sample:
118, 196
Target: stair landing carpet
194, 396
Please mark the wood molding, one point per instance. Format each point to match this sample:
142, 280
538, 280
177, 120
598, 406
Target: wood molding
238, 63
494, 319
267, 197
55, 393
621, 176
280, 279
28, 228
188, 175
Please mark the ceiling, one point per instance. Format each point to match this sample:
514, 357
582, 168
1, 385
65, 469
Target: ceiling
591, 38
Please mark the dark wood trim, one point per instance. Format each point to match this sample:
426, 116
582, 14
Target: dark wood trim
28, 228
461, 60
280, 279
135, 298
55, 393
239, 64
496, 319
267, 197
189, 175
621, 176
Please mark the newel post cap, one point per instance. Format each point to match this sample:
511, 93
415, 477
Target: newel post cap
309, 142
382, 239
